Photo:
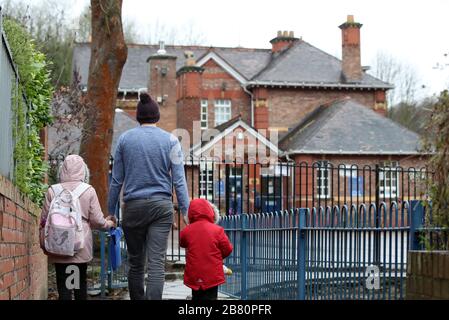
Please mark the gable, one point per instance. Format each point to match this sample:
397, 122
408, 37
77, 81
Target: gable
230, 132
212, 70
223, 64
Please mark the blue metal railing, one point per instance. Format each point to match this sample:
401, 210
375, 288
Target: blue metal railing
322, 252
111, 279
108, 278
325, 253
266, 255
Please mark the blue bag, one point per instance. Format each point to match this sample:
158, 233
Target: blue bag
115, 253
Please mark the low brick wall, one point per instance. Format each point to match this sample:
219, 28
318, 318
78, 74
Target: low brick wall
428, 275
23, 266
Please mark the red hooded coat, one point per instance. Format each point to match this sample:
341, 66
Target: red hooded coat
207, 245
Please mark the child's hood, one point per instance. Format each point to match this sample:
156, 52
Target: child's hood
73, 169
200, 209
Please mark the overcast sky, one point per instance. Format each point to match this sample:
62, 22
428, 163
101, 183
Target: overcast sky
415, 32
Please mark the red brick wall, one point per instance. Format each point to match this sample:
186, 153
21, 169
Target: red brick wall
189, 85
189, 100
213, 78
287, 107
23, 266
160, 85
351, 57
188, 112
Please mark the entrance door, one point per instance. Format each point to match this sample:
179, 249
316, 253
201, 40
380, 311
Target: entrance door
234, 190
271, 197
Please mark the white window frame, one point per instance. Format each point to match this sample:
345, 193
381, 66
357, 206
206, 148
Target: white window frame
223, 111
204, 114
323, 182
206, 181
389, 180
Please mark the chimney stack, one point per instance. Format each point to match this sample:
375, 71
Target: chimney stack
162, 85
351, 54
283, 40
189, 93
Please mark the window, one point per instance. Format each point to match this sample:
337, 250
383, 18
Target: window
235, 180
204, 105
389, 180
355, 182
356, 186
206, 181
323, 179
222, 111
235, 190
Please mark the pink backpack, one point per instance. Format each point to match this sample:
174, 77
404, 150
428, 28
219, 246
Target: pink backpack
63, 233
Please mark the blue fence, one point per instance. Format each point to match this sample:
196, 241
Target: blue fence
325, 253
340, 249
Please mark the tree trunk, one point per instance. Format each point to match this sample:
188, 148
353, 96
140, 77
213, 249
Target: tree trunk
108, 56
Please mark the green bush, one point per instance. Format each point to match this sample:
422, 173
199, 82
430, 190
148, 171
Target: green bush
437, 141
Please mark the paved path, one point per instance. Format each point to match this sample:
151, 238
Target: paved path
176, 290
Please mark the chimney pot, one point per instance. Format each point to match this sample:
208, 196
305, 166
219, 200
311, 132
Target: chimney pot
350, 18
283, 40
161, 50
190, 58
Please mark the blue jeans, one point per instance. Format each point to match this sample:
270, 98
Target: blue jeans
146, 225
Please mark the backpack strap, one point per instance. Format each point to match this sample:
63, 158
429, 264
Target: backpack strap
57, 189
80, 189
77, 193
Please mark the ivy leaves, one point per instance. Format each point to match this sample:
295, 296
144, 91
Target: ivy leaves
32, 114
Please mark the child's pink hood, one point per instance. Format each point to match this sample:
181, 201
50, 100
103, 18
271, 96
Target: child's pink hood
73, 169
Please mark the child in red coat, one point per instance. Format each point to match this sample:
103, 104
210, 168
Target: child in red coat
207, 245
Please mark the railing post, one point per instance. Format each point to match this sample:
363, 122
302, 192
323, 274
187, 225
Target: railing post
103, 267
416, 222
227, 186
243, 254
302, 255
109, 268
377, 217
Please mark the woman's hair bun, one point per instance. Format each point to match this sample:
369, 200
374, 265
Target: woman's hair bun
145, 98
